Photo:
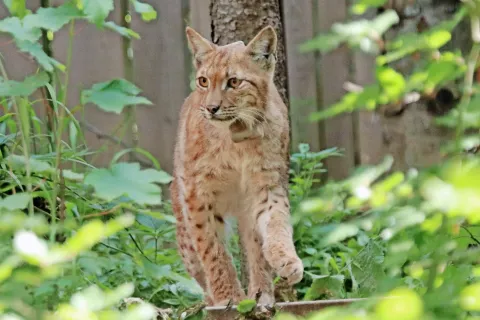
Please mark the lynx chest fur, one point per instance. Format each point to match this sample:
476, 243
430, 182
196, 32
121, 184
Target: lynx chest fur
231, 158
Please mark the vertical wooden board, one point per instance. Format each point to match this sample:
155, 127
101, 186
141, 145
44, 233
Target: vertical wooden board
369, 131
334, 72
302, 85
161, 71
200, 17
96, 57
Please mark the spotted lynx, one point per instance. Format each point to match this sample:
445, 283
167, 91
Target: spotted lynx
231, 159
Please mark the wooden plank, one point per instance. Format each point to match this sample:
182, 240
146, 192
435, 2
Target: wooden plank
302, 84
96, 57
334, 72
160, 62
200, 17
299, 308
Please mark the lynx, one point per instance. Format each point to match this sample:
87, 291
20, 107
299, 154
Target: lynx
231, 160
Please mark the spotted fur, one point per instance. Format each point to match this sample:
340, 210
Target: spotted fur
231, 159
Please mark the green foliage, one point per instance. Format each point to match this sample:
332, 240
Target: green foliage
412, 237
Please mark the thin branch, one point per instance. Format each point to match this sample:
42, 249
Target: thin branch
136, 245
104, 136
471, 235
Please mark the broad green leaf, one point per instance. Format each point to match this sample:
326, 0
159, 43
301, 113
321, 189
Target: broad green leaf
127, 179
70, 175
16, 7
400, 304
147, 12
438, 38
15, 202
12, 88
340, 233
392, 83
126, 32
19, 162
36, 50
52, 18
114, 95
246, 306
97, 10
330, 287
18, 31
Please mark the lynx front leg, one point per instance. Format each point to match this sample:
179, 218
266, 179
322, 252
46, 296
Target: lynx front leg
273, 223
220, 274
259, 271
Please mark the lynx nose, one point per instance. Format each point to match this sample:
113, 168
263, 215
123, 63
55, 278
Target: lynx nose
213, 109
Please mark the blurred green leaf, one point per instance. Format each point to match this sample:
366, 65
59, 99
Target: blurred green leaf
246, 306
16, 7
97, 10
147, 12
127, 179
53, 18
360, 6
328, 287
126, 32
114, 95
15, 201
17, 30
36, 51
12, 88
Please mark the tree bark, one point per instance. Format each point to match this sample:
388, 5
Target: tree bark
240, 20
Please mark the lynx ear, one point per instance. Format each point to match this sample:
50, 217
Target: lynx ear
199, 46
263, 48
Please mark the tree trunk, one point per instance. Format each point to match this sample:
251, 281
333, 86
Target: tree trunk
240, 20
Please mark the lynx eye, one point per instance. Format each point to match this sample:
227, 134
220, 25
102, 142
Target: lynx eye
202, 82
234, 82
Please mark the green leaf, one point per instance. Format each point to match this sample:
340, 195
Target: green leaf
97, 10
114, 95
340, 233
15, 202
126, 32
438, 38
147, 12
70, 175
360, 6
36, 51
246, 306
19, 162
18, 31
12, 88
127, 179
53, 18
327, 287
16, 7
392, 83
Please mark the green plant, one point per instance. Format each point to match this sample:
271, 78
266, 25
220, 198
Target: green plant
411, 237
78, 241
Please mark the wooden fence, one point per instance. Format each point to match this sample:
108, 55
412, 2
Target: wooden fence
162, 68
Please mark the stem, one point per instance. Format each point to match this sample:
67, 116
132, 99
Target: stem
47, 48
129, 113
467, 93
25, 143
71, 34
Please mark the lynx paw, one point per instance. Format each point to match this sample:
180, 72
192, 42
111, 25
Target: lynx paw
291, 270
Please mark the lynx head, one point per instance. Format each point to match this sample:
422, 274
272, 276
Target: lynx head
234, 79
